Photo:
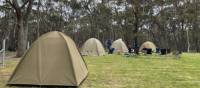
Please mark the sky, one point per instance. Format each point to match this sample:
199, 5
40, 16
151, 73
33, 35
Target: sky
1, 13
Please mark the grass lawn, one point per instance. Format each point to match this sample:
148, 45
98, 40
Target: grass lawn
115, 71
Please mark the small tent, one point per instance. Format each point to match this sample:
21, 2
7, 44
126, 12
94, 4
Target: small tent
52, 60
149, 45
92, 47
119, 46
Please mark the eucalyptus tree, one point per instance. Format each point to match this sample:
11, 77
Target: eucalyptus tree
169, 23
22, 10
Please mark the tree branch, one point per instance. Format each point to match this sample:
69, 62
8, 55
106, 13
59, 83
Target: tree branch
9, 2
29, 8
25, 3
16, 7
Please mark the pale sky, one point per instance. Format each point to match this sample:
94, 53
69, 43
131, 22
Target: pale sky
1, 13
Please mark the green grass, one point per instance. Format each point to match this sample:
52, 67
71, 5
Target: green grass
116, 71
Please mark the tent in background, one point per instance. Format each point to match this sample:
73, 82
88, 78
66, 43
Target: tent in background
52, 60
119, 46
149, 45
92, 47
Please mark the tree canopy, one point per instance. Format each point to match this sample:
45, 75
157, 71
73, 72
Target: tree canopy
168, 23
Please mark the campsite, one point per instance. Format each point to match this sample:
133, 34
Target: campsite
99, 44
115, 71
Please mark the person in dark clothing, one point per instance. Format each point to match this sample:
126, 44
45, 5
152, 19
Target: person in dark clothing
111, 50
136, 48
109, 44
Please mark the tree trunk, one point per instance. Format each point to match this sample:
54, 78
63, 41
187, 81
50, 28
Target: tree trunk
136, 24
21, 38
22, 23
188, 41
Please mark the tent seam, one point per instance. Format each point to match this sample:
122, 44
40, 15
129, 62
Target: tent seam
70, 57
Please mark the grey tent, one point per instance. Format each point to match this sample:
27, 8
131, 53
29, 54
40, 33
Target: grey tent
92, 47
52, 60
119, 46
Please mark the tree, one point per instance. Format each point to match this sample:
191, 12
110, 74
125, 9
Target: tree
165, 22
22, 11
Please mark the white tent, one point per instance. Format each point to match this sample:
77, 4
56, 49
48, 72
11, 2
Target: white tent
119, 46
92, 47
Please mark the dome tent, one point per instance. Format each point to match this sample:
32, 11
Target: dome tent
119, 46
149, 45
52, 60
92, 47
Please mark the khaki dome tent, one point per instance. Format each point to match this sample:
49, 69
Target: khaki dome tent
92, 47
119, 46
149, 45
52, 60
